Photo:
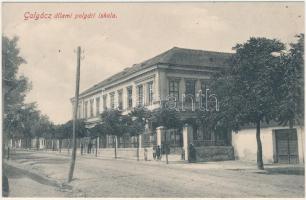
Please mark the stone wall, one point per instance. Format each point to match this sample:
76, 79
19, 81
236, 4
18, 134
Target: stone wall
214, 153
245, 145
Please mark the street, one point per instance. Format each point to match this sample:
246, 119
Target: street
44, 174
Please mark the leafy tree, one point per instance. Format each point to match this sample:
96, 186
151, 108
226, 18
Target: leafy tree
21, 123
40, 128
252, 82
291, 90
98, 130
64, 131
112, 121
139, 117
165, 117
14, 87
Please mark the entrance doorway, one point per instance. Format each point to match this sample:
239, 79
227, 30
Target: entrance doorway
287, 146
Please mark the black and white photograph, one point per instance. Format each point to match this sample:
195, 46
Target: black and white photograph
199, 99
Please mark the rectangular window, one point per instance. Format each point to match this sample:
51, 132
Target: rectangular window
140, 95
91, 108
190, 87
104, 102
130, 97
86, 109
120, 100
204, 86
190, 91
174, 89
97, 106
150, 93
112, 100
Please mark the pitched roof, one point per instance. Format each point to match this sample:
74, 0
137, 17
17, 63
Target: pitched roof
174, 56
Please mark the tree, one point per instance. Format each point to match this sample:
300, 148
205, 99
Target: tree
60, 134
252, 83
64, 131
40, 128
14, 87
139, 117
21, 121
97, 131
291, 90
165, 117
112, 123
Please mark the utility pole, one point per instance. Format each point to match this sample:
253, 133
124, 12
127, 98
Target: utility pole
75, 113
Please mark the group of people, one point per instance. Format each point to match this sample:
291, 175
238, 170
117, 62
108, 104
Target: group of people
157, 154
89, 147
158, 151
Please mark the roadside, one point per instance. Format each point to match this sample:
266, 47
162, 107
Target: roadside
24, 183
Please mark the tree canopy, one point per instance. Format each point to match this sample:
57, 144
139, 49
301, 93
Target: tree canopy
15, 87
112, 121
165, 117
137, 120
260, 86
291, 89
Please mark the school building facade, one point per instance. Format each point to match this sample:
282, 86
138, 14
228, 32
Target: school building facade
177, 73
180, 73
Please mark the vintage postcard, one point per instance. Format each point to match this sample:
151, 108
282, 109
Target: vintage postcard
153, 99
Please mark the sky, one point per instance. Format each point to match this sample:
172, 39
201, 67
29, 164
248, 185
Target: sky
139, 31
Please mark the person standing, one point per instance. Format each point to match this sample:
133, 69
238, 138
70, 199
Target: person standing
192, 153
154, 152
82, 147
145, 154
89, 147
158, 153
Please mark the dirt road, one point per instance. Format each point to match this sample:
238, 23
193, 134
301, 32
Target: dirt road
98, 177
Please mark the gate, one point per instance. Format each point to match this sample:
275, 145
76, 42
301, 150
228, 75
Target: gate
287, 146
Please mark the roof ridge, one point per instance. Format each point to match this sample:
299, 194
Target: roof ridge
164, 57
208, 51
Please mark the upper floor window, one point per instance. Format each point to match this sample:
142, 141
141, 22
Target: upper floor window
91, 108
174, 89
204, 86
97, 106
190, 87
120, 100
130, 97
86, 109
105, 102
112, 100
140, 95
150, 93
190, 91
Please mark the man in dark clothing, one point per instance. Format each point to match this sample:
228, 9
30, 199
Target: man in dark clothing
192, 153
89, 147
82, 147
154, 152
158, 152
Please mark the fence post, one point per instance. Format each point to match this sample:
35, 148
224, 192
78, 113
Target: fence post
187, 139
